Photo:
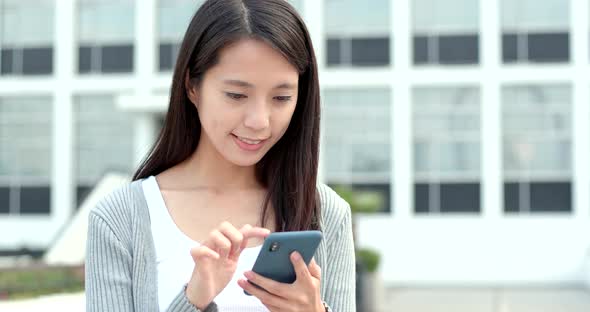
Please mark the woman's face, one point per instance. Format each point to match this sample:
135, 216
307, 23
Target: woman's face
246, 101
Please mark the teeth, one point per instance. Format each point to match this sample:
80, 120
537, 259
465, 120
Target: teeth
249, 141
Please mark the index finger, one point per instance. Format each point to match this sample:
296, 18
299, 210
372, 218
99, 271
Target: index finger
249, 231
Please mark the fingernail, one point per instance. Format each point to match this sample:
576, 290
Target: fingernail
295, 256
249, 274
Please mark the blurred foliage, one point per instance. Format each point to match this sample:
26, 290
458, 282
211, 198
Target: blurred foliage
363, 202
360, 201
369, 258
39, 280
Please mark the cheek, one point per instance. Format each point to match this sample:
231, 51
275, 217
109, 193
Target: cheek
214, 120
282, 122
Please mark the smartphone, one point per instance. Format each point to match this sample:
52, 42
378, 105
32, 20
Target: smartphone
274, 260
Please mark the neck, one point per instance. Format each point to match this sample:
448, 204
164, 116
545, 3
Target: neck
209, 169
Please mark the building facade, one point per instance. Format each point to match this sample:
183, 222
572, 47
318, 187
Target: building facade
471, 118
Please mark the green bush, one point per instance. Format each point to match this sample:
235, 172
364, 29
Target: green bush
40, 280
369, 258
360, 201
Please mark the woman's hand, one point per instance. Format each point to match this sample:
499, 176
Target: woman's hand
303, 295
216, 260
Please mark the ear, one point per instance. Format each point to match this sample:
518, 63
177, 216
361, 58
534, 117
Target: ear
191, 90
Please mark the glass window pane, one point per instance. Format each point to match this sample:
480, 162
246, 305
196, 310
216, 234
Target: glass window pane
370, 157
37, 61
82, 192
535, 15
531, 99
98, 121
298, 5
25, 137
421, 198
357, 18
422, 156
446, 123
459, 197
511, 197
548, 47
165, 57
35, 200
106, 21
174, 17
421, 50
27, 23
117, 59
459, 156
551, 197
458, 49
334, 52
370, 51
357, 133
445, 16
85, 59
7, 61
509, 48
4, 199
536, 130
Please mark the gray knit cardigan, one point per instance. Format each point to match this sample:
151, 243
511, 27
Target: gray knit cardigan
121, 272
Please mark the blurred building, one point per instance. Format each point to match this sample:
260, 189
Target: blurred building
471, 118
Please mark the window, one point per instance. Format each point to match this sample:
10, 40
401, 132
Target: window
357, 33
357, 134
537, 148
447, 149
174, 17
298, 5
97, 122
25, 155
535, 31
26, 37
105, 36
446, 32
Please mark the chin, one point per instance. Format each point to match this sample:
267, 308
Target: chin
244, 161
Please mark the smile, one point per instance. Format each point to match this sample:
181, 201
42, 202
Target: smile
247, 143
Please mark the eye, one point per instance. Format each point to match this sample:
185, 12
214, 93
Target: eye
235, 96
283, 98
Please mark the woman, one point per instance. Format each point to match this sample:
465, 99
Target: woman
236, 159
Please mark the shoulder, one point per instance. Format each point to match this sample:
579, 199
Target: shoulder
120, 208
335, 211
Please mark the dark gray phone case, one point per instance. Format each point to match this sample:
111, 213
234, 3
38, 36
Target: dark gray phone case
275, 263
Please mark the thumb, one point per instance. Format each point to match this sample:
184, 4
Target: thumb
299, 265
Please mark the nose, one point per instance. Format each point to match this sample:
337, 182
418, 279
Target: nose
257, 116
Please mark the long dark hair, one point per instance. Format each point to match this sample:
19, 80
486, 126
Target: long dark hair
289, 169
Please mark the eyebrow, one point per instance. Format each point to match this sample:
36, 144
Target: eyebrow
240, 83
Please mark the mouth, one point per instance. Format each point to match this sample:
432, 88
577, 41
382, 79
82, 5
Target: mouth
249, 144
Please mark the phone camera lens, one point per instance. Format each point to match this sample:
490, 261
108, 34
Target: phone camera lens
274, 246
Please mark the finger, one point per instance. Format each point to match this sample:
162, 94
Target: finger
253, 232
271, 286
234, 236
315, 270
299, 265
265, 297
220, 243
246, 228
202, 252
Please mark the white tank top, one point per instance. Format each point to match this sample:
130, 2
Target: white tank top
175, 264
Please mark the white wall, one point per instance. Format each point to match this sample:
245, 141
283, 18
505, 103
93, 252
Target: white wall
473, 251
